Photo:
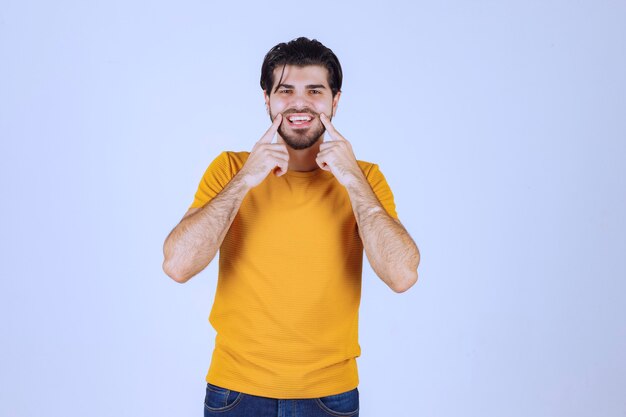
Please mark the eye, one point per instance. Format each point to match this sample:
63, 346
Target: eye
316, 92
284, 90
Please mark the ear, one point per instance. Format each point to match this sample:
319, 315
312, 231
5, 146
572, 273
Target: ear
266, 98
336, 102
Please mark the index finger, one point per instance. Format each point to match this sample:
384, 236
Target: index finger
269, 135
330, 128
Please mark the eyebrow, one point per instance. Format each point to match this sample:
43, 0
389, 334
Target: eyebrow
307, 87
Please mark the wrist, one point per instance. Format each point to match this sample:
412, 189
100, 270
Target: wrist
242, 181
373, 210
355, 180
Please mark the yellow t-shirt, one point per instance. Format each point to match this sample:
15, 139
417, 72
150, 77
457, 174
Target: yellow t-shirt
289, 283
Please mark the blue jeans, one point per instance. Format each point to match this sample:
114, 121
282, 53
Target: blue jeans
223, 402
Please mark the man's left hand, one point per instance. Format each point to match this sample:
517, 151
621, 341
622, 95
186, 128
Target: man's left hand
337, 157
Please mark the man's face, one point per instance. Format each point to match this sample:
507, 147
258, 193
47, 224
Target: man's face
303, 93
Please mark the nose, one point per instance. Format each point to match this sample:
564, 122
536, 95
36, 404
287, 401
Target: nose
299, 100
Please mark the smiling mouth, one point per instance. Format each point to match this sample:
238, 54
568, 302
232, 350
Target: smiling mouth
300, 120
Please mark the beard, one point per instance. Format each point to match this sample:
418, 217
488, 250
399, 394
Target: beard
300, 138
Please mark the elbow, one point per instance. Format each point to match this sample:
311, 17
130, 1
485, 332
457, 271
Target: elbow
174, 272
406, 282
409, 278
174, 266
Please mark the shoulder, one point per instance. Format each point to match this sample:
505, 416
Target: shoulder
237, 155
368, 168
234, 159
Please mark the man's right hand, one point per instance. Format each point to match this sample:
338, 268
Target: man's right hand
265, 157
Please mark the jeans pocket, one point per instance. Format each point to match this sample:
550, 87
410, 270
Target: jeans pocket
344, 404
221, 399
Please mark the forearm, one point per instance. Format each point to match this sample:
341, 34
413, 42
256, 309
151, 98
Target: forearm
391, 251
193, 243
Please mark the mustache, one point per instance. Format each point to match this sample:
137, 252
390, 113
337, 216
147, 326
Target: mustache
303, 111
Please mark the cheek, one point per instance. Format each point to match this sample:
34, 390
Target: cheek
327, 108
277, 107
278, 100
328, 111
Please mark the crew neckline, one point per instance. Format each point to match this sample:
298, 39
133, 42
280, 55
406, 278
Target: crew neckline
304, 174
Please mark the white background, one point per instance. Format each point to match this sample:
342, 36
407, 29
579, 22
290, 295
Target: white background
500, 127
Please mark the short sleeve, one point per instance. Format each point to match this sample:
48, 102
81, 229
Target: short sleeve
215, 178
380, 187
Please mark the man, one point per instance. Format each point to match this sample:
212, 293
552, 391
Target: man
291, 220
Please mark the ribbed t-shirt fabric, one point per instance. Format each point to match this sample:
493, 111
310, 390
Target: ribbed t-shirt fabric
286, 306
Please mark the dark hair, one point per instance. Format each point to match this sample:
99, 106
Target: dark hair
300, 52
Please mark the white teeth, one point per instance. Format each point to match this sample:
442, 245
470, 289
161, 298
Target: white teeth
299, 118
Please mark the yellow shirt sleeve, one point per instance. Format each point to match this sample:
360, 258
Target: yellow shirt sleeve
215, 178
379, 185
